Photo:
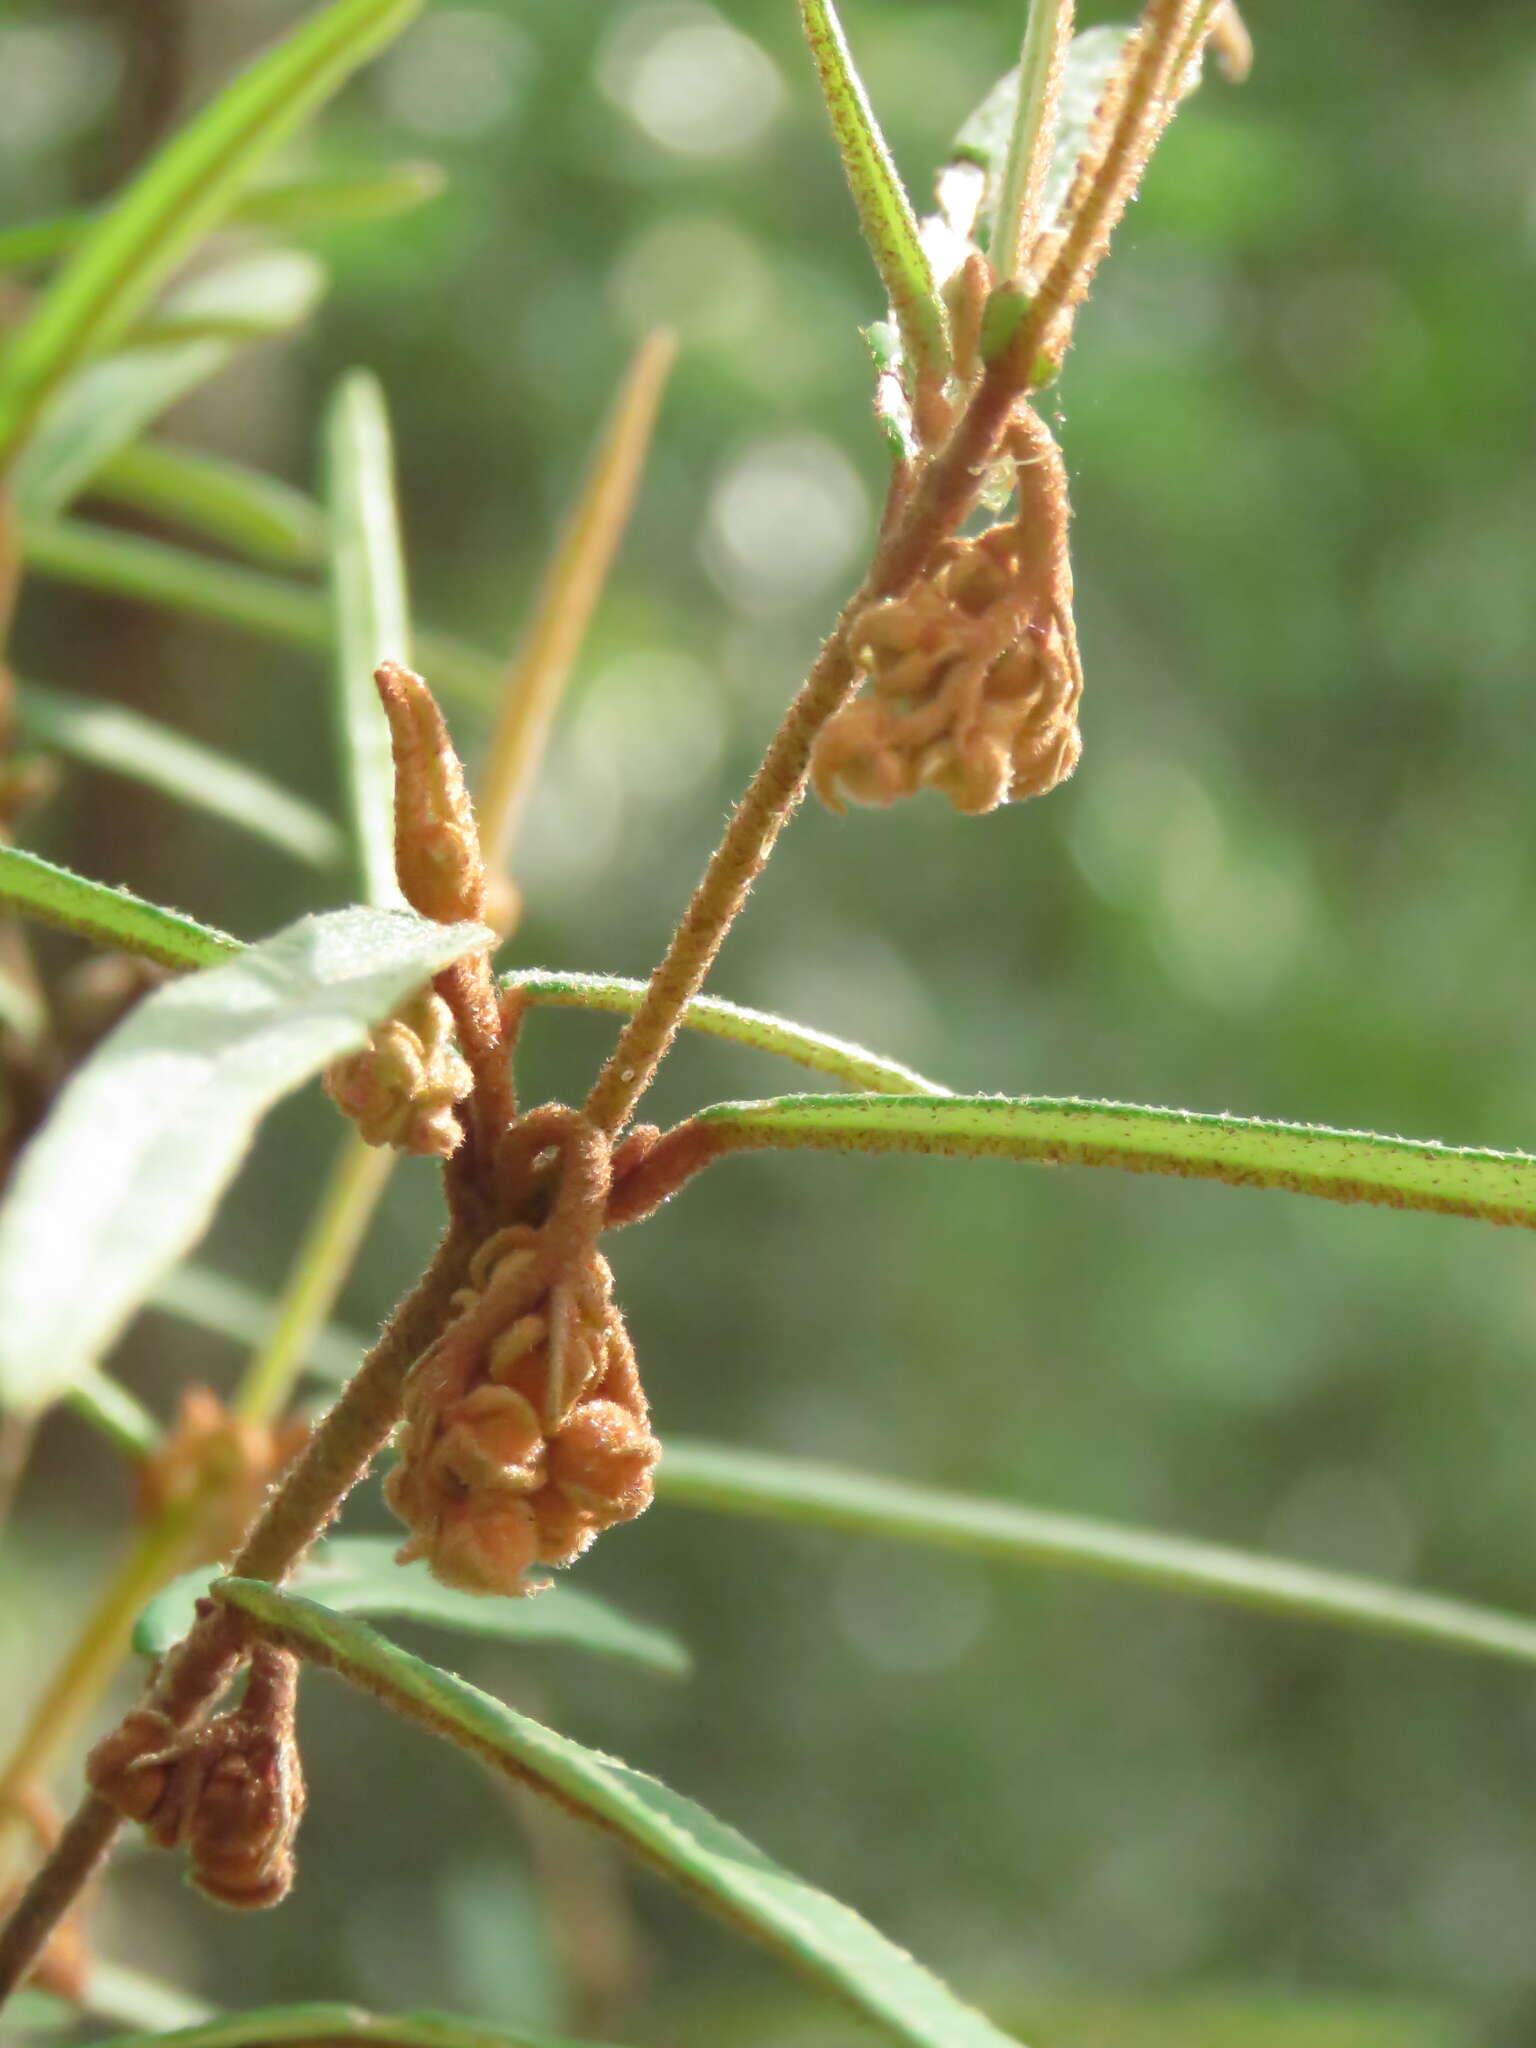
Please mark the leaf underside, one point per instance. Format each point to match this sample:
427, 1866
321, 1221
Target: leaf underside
150, 1129
359, 1575
677, 1838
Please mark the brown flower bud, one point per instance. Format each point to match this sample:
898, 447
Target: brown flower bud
401, 1088
972, 674
437, 844
525, 1428
232, 1792
230, 1462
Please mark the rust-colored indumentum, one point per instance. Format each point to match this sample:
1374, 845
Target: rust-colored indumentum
401, 1088
972, 675
526, 1430
231, 1792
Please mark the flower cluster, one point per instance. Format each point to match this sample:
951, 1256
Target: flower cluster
526, 1429
401, 1088
220, 1460
231, 1793
972, 675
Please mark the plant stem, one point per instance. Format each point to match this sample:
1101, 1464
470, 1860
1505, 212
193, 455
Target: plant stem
1047, 34
1163, 33
573, 582
98, 1649
333, 1461
357, 1179
771, 796
934, 509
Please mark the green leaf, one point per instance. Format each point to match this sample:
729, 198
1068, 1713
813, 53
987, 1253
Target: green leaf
339, 198
39, 2012
117, 1414
271, 606
1302, 1159
256, 298
151, 1128
228, 1308
109, 917
886, 220
830, 1496
681, 1840
359, 1575
110, 402
184, 192
969, 186
135, 1999
321, 200
546, 987
110, 737
322, 2026
372, 616
222, 501
1027, 161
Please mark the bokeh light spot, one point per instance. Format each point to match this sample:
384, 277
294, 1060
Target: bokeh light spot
785, 520
690, 81
457, 75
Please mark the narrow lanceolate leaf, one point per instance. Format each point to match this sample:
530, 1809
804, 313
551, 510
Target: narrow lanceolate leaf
679, 1839
886, 219
221, 501
324, 2026
110, 737
272, 607
317, 201
550, 988
120, 1416
797, 1490
226, 1307
359, 1575
108, 403
970, 184
149, 1131
1047, 33
372, 618
185, 191
109, 917
568, 595
339, 198
1302, 1159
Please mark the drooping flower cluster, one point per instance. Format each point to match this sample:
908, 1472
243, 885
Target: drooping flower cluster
972, 676
231, 1792
401, 1088
526, 1429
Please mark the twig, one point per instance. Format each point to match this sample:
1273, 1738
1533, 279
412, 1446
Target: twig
334, 1460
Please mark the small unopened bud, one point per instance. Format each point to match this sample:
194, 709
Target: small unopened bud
437, 844
212, 1454
401, 1088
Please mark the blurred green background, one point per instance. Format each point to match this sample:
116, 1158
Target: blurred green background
1293, 877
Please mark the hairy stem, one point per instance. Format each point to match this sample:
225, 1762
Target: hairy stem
937, 504
1150, 98
334, 1460
76, 1685
734, 866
